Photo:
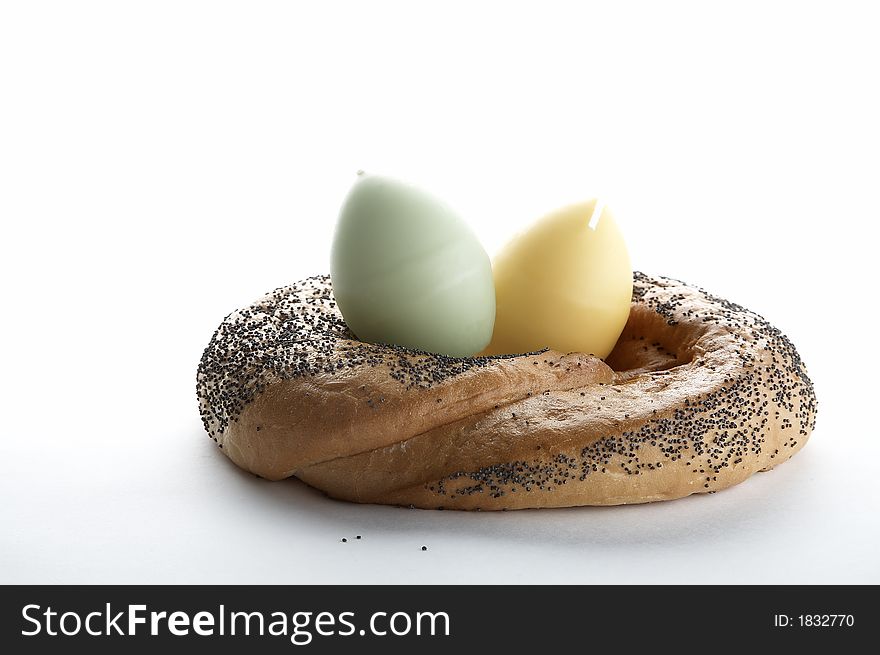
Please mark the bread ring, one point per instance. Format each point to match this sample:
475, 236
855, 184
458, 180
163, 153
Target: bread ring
698, 395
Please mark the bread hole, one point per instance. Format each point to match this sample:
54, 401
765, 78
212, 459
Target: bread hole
648, 344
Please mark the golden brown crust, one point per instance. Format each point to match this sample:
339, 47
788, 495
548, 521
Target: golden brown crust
702, 395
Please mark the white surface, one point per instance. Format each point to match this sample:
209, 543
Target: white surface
164, 163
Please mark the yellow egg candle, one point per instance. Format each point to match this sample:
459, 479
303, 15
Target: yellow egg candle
565, 283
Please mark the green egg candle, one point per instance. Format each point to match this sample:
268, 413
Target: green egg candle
407, 270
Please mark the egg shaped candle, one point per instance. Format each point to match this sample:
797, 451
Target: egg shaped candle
407, 270
565, 283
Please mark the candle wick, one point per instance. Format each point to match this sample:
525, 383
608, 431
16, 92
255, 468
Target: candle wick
598, 208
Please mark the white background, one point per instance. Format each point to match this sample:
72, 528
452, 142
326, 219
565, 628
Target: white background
162, 163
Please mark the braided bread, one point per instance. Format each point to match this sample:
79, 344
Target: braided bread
698, 394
